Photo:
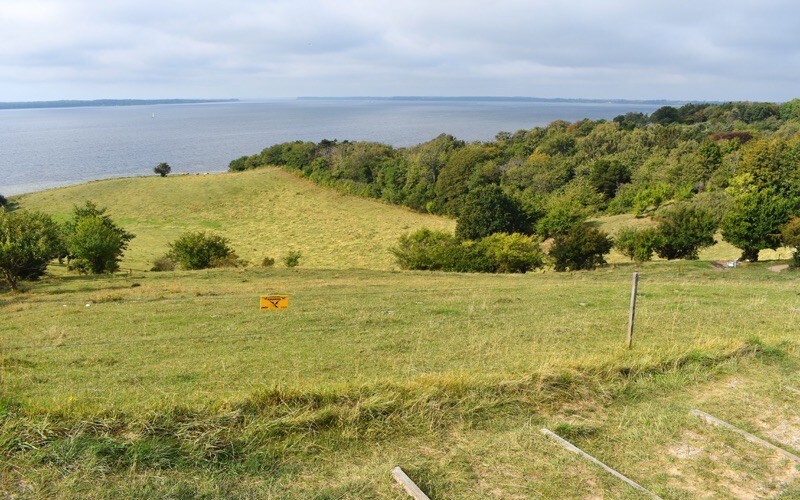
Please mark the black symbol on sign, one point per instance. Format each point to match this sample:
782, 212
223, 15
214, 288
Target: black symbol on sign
274, 302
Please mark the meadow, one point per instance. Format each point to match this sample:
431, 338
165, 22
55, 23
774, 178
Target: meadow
265, 212
176, 385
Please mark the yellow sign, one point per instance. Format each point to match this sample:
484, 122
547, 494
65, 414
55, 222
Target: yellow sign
274, 302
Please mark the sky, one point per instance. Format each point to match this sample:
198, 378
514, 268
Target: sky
622, 49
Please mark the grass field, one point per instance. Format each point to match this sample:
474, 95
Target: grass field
265, 212
175, 385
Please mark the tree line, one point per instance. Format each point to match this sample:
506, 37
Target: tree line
736, 164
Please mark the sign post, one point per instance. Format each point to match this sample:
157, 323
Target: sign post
632, 316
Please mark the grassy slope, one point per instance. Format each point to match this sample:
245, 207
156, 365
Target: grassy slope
265, 212
174, 384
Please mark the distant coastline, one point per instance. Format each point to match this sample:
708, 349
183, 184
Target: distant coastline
494, 99
105, 102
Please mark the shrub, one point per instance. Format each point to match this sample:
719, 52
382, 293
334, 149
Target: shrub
162, 169
28, 241
637, 244
94, 243
267, 262
488, 210
94, 247
790, 235
568, 208
3, 201
683, 230
427, 250
292, 259
583, 247
755, 221
231, 260
200, 250
163, 264
511, 253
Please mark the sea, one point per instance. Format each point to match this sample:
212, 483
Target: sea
47, 148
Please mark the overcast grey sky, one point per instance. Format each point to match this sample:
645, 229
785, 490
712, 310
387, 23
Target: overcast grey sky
636, 49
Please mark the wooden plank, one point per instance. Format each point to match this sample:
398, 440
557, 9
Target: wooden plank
571, 447
411, 488
632, 316
753, 439
791, 389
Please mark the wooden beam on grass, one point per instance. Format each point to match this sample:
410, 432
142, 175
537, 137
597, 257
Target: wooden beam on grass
750, 437
411, 488
791, 389
571, 447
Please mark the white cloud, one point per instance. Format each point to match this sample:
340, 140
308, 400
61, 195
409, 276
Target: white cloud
252, 48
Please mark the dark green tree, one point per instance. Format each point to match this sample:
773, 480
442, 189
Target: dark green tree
488, 210
453, 182
94, 242
162, 169
583, 247
683, 230
606, 176
28, 242
637, 244
755, 221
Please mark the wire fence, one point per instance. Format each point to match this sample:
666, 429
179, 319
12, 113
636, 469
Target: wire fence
667, 316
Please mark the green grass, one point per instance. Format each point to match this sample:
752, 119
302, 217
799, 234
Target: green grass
175, 385
265, 212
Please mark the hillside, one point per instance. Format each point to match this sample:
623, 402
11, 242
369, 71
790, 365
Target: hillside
265, 212
176, 385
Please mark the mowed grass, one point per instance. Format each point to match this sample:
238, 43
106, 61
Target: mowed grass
265, 212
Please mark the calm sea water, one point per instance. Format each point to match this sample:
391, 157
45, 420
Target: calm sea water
44, 148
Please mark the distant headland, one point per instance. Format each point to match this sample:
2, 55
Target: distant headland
105, 102
493, 99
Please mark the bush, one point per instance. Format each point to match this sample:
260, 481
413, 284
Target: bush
267, 262
511, 253
199, 250
568, 208
3, 201
28, 241
583, 247
292, 259
754, 222
94, 247
637, 244
790, 236
94, 243
428, 250
488, 210
163, 264
683, 230
162, 169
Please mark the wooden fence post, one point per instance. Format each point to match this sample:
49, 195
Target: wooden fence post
632, 316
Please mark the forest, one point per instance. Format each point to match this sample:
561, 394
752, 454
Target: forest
737, 162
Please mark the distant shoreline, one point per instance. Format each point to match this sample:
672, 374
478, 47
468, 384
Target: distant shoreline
495, 99
105, 103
